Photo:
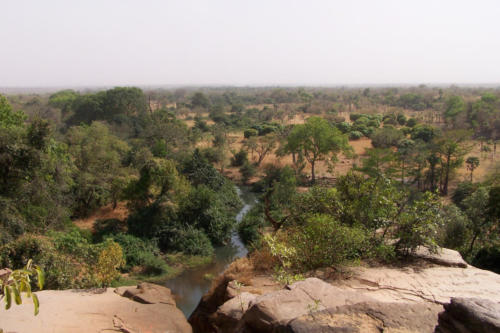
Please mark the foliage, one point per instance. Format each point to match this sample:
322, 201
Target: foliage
109, 260
317, 140
250, 227
18, 282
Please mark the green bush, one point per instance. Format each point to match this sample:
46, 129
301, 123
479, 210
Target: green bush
355, 135
250, 132
108, 227
194, 242
252, 222
248, 170
324, 241
488, 258
143, 253
239, 158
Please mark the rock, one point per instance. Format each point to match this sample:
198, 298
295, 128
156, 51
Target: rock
147, 293
80, 311
271, 311
444, 257
230, 313
5, 273
393, 299
369, 317
469, 315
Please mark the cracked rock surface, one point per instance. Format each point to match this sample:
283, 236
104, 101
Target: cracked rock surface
145, 308
371, 299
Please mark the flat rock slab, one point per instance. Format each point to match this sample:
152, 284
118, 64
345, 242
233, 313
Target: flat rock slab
369, 317
76, 311
435, 284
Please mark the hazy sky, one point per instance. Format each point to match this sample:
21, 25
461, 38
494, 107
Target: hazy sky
252, 42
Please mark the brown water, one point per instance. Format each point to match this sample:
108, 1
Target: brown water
192, 284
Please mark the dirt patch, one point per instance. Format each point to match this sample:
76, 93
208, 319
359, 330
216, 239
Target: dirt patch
121, 212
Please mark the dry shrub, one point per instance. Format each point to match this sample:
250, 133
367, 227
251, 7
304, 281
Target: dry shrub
262, 259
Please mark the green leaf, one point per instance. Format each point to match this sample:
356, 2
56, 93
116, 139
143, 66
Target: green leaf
8, 297
41, 277
17, 296
36, 302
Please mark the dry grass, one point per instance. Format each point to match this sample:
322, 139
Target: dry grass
107, 212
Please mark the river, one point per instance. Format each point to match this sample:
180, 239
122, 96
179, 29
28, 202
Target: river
192, 284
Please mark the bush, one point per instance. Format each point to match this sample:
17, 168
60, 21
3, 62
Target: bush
248, 170
462, 192
252, 222
109, 260
194, 242
455, 230
411, 122
324, 241
488, 258
344, 127
108, 227
141, 253
355, 135
239, 158
386, 137
250, 132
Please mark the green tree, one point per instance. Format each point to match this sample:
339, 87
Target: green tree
472, 163
318, 141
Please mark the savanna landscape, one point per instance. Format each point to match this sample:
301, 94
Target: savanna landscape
249, 167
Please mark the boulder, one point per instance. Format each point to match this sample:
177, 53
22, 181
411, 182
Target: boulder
443, 257
229, 314
147, 293
274, 310
469, 315
369, 317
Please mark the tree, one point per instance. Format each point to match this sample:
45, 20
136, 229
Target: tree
318, 141
199, 100
472, 164
451, 148
262, 145
455, 106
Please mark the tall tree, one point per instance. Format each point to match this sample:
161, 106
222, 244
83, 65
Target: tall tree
318, 141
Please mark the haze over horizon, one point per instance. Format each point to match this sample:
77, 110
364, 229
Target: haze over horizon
221, 42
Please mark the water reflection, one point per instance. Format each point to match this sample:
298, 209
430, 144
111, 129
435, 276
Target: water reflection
191, 285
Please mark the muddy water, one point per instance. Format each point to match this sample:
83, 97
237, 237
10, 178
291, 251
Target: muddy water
192, 284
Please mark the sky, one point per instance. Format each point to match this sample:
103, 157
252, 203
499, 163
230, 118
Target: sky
259, 42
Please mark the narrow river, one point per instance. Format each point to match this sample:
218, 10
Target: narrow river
192, 284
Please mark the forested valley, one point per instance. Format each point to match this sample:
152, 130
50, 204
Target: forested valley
109, 187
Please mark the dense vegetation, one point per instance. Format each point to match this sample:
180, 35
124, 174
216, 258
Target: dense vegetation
165, 154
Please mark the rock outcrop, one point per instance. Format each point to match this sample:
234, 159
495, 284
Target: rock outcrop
371, 299
145, 308
469, 315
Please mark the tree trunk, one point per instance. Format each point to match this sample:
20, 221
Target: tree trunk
313, 175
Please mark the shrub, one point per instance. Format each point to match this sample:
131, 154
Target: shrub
250, 132
386, 137
344, 127
248, 170
355, 135
462, 192
488, 258
248, 228
239, 158
324, 241
108, 227
109, 260
194, 242
411, 122
141, 253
